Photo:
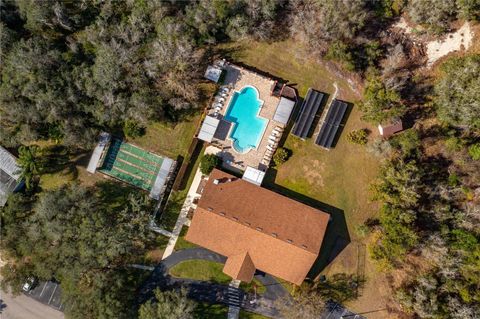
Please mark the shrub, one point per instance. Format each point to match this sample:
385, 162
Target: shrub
474, 151
281, 156
133, 129
454, 144
358, 137
208, 163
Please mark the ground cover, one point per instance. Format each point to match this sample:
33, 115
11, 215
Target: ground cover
249, 315
182, 243
201, 270
250, 287
206, 310
336, 180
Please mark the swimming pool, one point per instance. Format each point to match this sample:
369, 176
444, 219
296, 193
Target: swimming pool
248, 126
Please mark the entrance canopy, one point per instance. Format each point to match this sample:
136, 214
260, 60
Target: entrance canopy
209, 126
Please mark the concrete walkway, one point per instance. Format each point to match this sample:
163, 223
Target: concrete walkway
182, 217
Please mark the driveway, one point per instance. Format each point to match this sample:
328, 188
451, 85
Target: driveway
23, 307
211, 292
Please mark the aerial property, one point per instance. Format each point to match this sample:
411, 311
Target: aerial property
132, 165
257, 229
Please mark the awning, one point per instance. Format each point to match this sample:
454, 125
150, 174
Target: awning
208, 129
162, 178
213, 73
284, 110
253, 175
98, 151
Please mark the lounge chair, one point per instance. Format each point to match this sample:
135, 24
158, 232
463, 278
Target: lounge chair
271, 148
273, 138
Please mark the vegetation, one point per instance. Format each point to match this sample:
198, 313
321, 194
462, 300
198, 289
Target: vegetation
380, 103
359, 137
474, 151
208, 163
82, 237
168, 305
457, 92
281, 156
30, 163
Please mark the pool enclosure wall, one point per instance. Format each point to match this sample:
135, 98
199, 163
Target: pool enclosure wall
311, 105
331, 124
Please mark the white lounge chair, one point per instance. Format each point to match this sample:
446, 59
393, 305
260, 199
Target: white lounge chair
271, 148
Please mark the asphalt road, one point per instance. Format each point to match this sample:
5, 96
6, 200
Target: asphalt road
23, 307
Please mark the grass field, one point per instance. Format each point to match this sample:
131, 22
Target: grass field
201, 270
336, 180
182, 243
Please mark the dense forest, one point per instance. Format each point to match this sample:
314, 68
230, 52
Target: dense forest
70, 69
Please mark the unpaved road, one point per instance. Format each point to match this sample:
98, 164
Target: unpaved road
23, 307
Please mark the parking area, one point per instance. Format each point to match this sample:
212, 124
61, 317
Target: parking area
48, 293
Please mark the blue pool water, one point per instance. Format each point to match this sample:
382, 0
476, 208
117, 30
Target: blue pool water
248, 127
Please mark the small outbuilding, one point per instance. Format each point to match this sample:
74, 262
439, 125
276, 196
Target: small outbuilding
253, 175
213, 73
10, 180
387, 130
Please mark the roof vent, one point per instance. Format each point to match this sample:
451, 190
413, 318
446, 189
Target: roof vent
259, 228
222, 213
235, 218
275, 235
216, 181
289, 241
210, 209
304, 246
247, 223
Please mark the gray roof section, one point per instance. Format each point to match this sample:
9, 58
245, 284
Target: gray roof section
162, 178
253, 175
207, 131
213, 73
9, 175
103, 141
284, 110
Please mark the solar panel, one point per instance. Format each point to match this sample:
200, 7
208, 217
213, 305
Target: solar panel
307, 114
331, 124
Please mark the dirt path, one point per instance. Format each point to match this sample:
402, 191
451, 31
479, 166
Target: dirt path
456, 41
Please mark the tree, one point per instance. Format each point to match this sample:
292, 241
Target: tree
30, 163
380, 104
133, 129
457, 92
359, 137
474, 151
434, 14
281, 156
306, 304
208, 163
168, 305
85, 238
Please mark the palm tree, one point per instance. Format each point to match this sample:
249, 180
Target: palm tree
30, 164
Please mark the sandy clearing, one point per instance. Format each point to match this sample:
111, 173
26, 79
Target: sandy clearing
456, 41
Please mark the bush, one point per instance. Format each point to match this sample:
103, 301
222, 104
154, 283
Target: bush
281, 156
474, 151
454, 144
208, 163
358, 136
133, 129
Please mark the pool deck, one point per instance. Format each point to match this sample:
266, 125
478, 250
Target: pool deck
237, 78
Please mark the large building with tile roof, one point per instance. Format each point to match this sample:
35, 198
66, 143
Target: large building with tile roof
257, 229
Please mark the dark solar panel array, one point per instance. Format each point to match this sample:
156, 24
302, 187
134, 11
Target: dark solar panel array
307, 114
331, 124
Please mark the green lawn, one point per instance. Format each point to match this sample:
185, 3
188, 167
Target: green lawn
182, 243
205, 310
248, 315
201, 270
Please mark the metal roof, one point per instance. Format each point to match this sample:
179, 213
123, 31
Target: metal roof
310, 107
9, 175
253, 175
98, 151
284, 110
162, 178
208, 129
213, 73
331, 124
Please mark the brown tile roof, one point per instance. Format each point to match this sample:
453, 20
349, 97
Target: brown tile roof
281, 236
240, 267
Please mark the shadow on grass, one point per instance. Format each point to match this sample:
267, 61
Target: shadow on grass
336, 237
115, 194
